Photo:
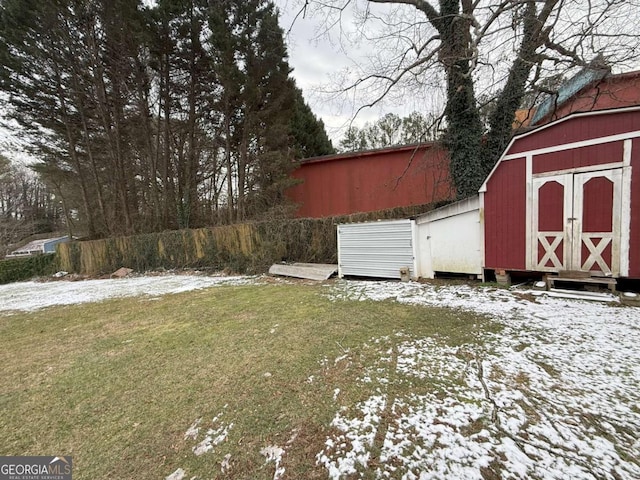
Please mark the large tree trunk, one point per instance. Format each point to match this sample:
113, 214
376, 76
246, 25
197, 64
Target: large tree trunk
228, 161
167, 171
510, 98
464, 129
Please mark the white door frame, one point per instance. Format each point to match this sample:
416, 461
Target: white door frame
564, 236
572, 236
604, 238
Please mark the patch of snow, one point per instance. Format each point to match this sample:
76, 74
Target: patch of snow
340, 358
225, 466
213, 437
203, 447
29, 296
274, 454
193, 430
294, 435
350, 449
336, 392
177, 475
551, 395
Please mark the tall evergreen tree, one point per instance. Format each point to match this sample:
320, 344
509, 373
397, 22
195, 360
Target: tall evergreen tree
309, 136
174, 115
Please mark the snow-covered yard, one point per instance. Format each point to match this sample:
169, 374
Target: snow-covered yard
29, 296
554, 394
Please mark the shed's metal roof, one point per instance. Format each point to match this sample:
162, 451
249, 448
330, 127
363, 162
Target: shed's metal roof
35, 245
367, 153
568, 89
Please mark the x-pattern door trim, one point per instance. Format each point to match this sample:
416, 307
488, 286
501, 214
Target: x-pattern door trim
596, 250
590, 239
550, 248
560, 237
572, 237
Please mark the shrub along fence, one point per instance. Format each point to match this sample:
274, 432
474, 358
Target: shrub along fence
241, 248
24, 268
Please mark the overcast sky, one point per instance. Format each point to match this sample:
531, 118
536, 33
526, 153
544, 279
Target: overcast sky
320, 59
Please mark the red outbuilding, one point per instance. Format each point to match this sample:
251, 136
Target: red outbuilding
372, 180
566, 197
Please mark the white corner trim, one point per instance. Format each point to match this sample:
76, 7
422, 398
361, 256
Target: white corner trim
415, 246
483, 258
528, 214
625, 217
626, 152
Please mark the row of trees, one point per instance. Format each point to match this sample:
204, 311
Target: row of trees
145, 116
391, 129
26, 205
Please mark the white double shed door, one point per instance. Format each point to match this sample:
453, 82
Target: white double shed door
577, 221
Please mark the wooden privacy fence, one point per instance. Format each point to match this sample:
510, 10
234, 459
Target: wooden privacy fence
242, 248
239, 248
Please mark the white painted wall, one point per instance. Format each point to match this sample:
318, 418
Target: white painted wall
449, 240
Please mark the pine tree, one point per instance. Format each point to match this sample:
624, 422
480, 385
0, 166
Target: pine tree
156, 117
308, 134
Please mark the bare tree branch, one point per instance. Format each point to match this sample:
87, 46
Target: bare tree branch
432, 14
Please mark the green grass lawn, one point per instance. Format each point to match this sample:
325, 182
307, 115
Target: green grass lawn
117, 384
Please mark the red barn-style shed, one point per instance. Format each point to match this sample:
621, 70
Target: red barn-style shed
566, 197
372, 180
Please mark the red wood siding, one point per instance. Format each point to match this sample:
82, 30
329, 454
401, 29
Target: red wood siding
504, 205
634, 239
551, 203
597, 214
578, 157
504, 214
597, 207
578, 129
370, 181
551, 200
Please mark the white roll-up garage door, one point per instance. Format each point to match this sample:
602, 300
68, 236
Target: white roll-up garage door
376, 249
